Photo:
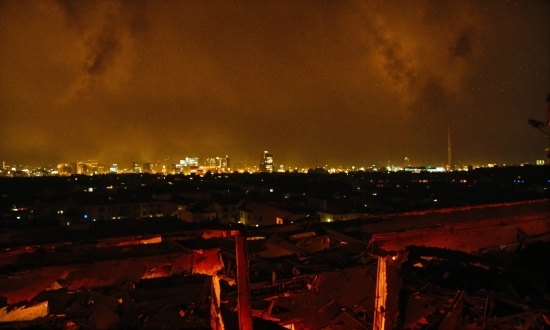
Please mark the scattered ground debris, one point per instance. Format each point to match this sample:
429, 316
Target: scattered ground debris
302, 276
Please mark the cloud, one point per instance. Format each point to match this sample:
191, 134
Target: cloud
464, 44
105, 33
103, 51
347, 80
416, 59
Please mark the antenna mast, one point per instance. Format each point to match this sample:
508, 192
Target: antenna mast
448, 149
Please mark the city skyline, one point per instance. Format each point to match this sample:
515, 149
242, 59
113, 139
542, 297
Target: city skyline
348, 83
222, 165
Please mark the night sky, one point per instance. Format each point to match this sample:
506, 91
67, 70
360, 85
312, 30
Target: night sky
314, 82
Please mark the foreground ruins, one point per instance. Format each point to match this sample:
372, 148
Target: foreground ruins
478, 267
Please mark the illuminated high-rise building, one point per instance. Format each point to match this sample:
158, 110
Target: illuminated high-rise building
88, 167
190, 161
266, 163
67, 169
222, 163
210, 162
189, 165
136, 168
217, 164
147, 168
448, 149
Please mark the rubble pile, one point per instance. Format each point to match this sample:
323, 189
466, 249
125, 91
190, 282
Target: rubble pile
505, 287
151, 282
421, 271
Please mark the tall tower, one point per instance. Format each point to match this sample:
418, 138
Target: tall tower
448, 149
548, 127
266, 163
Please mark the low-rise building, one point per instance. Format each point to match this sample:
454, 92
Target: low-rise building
199, 212
113, 209
261, 214
227, 208
338, 215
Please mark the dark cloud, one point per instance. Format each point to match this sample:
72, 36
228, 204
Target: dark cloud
76, 11
396, 65
464, 44
103, 50
433, 96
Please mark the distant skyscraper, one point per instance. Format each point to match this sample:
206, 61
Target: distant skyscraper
189, 165
266, 164
88, 167
147, 168
67, 169
448, 148
192, 161
217, 164
225, 163
136, 168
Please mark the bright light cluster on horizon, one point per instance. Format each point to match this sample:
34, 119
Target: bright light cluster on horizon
190, 166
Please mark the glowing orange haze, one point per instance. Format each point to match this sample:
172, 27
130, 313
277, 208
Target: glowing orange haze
351, 83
